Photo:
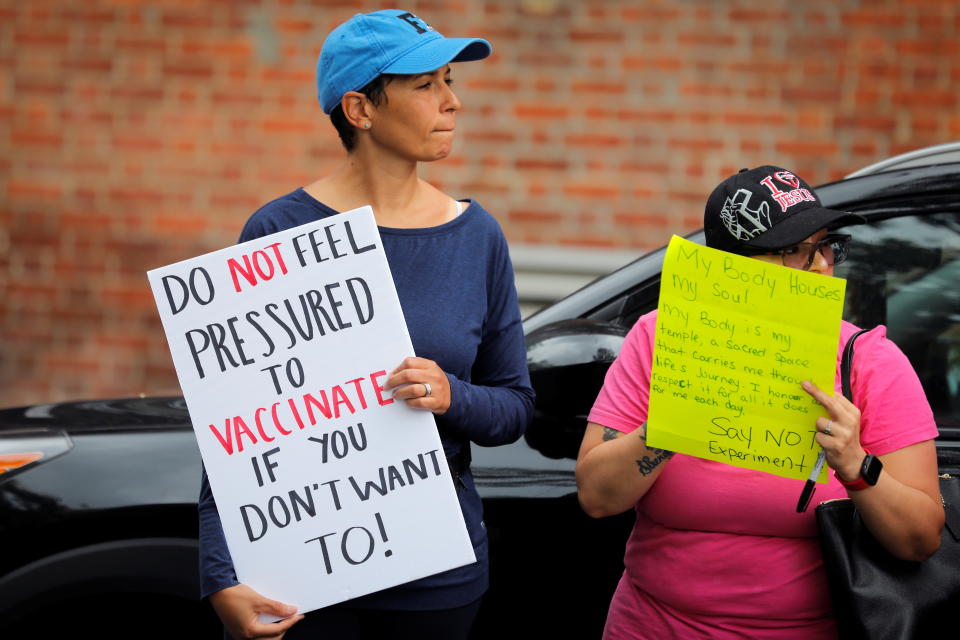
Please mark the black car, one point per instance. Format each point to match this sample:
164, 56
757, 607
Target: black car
99, 533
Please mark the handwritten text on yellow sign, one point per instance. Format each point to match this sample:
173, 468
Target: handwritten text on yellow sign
735, 337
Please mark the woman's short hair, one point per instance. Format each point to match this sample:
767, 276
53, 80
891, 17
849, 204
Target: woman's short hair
376, 92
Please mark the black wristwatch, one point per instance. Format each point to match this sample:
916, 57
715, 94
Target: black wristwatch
869, 473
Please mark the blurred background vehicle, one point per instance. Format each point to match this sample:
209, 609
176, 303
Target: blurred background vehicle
98, 499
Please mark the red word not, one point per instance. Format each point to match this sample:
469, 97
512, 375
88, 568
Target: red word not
262, 264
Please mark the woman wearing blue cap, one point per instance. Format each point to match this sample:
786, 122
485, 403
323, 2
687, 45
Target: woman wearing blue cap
384, 79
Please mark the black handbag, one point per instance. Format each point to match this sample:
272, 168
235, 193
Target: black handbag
877, 596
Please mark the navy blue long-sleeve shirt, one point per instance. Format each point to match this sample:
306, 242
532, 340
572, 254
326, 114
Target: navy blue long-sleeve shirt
456, 288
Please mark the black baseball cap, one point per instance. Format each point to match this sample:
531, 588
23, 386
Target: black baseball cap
766, 208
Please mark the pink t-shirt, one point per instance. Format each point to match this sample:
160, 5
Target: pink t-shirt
720, 552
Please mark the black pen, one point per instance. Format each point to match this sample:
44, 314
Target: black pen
808, 488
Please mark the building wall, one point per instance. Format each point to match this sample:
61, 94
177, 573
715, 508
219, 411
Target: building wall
135, 134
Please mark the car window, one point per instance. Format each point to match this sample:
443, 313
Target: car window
904, 272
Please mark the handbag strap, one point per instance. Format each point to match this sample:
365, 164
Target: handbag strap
846, 364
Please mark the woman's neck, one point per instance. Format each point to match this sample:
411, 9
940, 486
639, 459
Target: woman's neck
389, 184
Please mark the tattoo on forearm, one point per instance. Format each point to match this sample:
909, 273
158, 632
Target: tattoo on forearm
610, 434
648, 464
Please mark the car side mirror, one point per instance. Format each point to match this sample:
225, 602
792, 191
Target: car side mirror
568, 361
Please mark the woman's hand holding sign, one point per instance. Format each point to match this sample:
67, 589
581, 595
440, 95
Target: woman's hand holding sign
239, 607
839, 435
422, 384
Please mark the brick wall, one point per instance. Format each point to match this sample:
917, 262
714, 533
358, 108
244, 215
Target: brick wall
135, 134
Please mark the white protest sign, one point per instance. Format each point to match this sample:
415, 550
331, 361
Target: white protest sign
327, 489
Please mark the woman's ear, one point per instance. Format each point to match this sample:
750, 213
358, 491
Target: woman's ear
356, 109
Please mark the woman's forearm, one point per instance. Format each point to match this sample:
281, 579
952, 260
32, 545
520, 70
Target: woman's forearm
905, 519
615, 469
907, 522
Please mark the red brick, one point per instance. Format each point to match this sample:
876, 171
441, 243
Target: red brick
490, 136
223, 49
288, 125
582, 35
776, 67
238, 148
925, 125
591, 190
696, 144
822, 45
867, 122
711, 40
236, 201
868, 98
926, 98
643, 63
189, 20
79, 116
296, 26
612, 88
39, 87
554, 164
179, 224
650, 14
128, 341
494, 84
137, 143
647, 115
36, 138
88, 16
18, 189
759, 15
593, 140
188, 69
483, 186
873, 18
872, 46
807, 147
38, 39
498, 32
755, 118
540, 111
540, 60
954, 127
699, 117
299, 79
689, 196
640, 219
821, 95
133, 194
600, 113
587, 240
927, 76
141, 44
707, 90
147, 94
645, 167
79, 65
868, 149
529, 215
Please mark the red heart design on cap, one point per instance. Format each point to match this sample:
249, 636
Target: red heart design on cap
787, 178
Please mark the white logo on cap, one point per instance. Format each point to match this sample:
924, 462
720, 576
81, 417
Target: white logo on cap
742, 222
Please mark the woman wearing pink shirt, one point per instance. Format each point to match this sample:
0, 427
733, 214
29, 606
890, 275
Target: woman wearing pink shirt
718, 551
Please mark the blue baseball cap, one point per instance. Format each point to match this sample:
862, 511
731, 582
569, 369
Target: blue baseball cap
388, 41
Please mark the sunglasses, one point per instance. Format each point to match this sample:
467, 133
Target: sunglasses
834, 248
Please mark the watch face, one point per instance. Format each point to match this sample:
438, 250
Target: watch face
871, 469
